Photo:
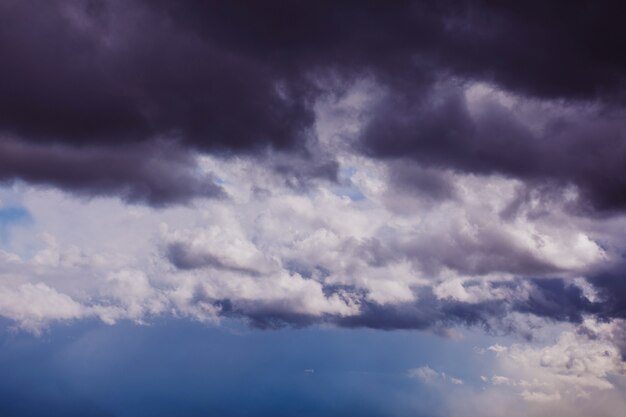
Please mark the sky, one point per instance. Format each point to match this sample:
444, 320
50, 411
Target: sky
312, 208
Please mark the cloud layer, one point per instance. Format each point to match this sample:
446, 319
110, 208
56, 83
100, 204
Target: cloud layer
233, 79
424, 165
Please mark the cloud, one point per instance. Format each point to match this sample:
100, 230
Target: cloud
156, 175
475, 130
429, 376
33, 306
412, 165
342, 188
424, 373
89, 76
217, 79
300, 257
574, 366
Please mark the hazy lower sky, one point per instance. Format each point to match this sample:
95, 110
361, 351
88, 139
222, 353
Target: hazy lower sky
312, 208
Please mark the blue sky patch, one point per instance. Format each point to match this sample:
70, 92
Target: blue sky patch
10, 216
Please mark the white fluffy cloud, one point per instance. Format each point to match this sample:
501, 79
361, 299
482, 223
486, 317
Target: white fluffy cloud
32, 305
279, 250
579, 372
581, 361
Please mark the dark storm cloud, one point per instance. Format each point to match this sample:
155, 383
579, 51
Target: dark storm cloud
234, 77
435, 128
555, 49
102, 72
114, 74
158, 175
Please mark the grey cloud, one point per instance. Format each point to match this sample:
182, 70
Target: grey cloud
183, 257
620, 339
558, 300
156, 175
435, 128
102, 72
548, 50
242, 78
487, 249
549, 298
552, 299
408, 177
610, 283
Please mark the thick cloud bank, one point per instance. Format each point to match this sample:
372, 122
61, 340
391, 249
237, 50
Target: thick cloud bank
404, 165
238, 78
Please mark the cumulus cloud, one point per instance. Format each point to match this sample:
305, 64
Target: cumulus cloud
579, 363
35, 305
290, 256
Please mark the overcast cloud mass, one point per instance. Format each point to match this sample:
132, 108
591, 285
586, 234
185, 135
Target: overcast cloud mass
360, 174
